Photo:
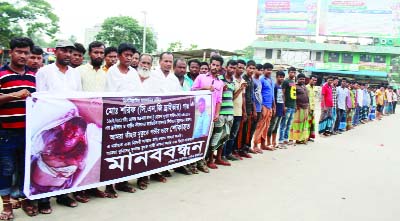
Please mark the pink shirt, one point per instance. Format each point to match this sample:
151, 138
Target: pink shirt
326, 92
206, 80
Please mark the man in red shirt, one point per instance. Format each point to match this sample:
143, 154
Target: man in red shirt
17, 82
326, 120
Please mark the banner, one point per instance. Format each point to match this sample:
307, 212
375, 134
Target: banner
287, 17
89, 140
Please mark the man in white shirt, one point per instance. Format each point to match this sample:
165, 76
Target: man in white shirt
59, 76
170, 82
121, 76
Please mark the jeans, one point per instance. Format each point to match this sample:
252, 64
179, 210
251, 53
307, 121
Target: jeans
286, 123
339, 116
231, 144
12, 160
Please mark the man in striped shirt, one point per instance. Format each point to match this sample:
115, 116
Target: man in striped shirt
17, 82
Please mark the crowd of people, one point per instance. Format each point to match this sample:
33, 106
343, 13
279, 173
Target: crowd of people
253, 112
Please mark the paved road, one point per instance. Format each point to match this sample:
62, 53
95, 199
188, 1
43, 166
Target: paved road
353, 176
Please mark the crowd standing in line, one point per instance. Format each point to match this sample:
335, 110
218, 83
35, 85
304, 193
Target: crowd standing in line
252, 112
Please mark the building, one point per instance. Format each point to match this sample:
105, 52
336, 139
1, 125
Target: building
366, 63
90, 34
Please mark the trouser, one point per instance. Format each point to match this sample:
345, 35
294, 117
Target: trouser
12, 160
232, 143
274, 125
263, 125
244, 139
394, 103
334, 117
339, 116
286, 123
255, 124
356, 118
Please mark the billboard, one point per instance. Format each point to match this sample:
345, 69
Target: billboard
287, 17
347, 18
360, 18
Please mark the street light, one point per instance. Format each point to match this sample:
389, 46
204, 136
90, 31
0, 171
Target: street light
144, 32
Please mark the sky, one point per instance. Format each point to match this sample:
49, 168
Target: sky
218, 24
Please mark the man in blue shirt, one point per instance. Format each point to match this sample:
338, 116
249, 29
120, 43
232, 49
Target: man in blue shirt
268, 107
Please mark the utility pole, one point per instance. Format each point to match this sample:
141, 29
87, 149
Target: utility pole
144, 31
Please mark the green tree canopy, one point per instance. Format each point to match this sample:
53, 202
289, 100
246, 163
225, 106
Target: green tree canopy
26, 17
116, 30
178, 46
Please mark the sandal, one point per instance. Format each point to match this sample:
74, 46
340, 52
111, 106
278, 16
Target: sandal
81, 197
141, 183
166, 173
158, 177
66, 201
7, 215
15, 203
29, 208
110, 191
124, 187
44, 208
96, 193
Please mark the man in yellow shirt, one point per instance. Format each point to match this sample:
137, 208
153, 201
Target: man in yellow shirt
380, 102
311, 113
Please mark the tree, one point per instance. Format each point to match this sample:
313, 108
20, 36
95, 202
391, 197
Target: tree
247, 52
116, 30
35, 16
175, 46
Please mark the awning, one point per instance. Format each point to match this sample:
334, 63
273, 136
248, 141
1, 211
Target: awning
359, 73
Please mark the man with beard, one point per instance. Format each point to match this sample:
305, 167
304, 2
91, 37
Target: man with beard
35, 60
149, 84
92, 75
135, 60
77, 55
110, 57
59, 77
17, 82
194, 69
93, 80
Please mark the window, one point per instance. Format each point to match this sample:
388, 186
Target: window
347, 58
365, 58
318, 56
333, 57
268, 53
278, 54
380, 59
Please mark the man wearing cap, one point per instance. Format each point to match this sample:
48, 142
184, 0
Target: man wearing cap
59, 77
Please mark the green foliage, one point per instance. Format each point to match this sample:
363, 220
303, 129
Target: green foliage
116, 30
178, 46
247, 53
284, 38
35, 16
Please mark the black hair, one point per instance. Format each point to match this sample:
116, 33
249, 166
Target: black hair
280, 73
231, 62
344, 79
329, 77
79, 48
335, 78
21, 42
178, 59
240, 61
204, 63
37, 50
167, 53
268, 66
194, 61
251, 63
126, 47
259, 67
95, 44
140, 58
291, 69
217, 58
301, 75
108, 50
313, 76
